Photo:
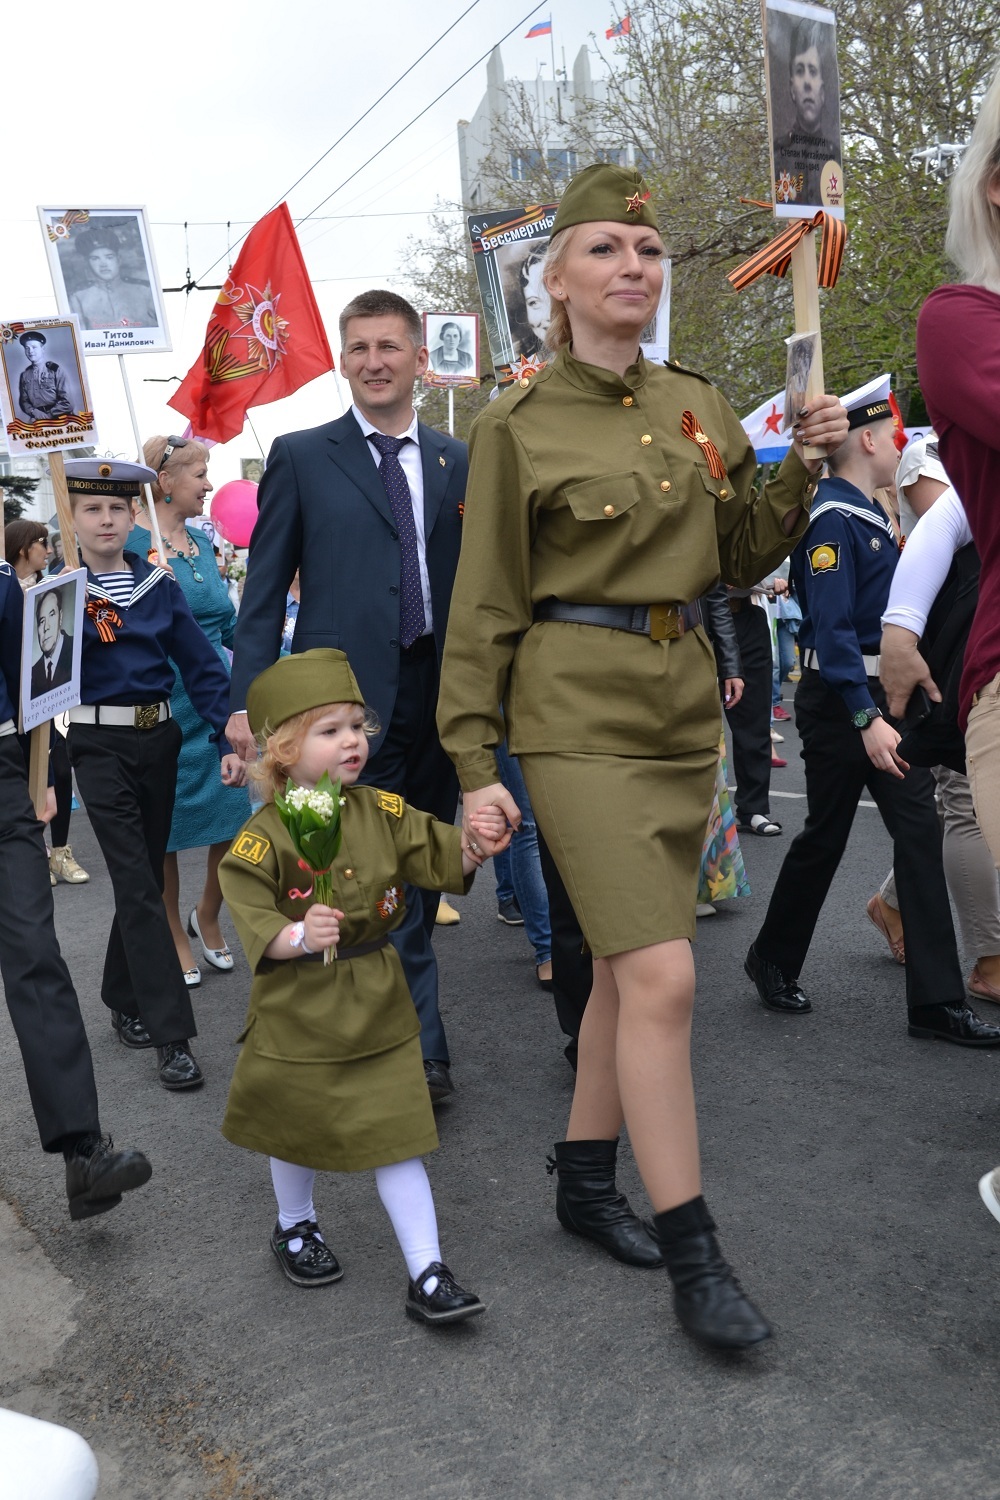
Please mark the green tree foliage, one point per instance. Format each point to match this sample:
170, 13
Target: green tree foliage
686, 94
17, 491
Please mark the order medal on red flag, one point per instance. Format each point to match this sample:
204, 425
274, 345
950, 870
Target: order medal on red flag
265, 337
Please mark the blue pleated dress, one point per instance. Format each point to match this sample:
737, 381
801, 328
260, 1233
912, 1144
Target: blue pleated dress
205, 811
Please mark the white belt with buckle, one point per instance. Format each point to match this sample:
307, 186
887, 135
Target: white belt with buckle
131, 716
811, 661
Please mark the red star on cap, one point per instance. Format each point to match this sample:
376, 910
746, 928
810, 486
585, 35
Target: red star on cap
634, 204
773, 422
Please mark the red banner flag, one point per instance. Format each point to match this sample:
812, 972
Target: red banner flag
265, 337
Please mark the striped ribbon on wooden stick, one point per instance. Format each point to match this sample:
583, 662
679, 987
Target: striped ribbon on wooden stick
776, 257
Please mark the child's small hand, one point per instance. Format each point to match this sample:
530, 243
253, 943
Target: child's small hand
322, 924
233, 771
489, 824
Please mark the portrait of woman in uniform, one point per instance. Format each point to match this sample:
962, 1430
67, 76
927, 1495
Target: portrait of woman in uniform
104, 272
606, 494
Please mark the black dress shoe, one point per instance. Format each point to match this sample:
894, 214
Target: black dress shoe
97, 1175
177, 1067
438, 1076
953, 1023
776, 990
130, 1030
448, 1303
313, 1263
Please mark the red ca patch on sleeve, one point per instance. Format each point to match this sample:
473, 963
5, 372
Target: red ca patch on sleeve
825, 558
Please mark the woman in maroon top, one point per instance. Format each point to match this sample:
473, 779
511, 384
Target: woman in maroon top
958, 359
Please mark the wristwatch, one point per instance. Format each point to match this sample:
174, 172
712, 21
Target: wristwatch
865, 716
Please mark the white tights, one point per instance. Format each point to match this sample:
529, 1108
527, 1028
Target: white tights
406, 1197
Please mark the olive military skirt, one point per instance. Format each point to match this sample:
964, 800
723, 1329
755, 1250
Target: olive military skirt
626, 833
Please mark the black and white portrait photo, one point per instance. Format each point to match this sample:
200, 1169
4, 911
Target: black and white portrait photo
803, 94
52, 645
452, 341
529, 306
104, 272
43, 392
798, 367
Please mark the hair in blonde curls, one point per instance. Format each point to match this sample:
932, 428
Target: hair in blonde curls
281, 747
973, 238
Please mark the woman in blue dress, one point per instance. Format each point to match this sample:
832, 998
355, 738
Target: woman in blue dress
205, 813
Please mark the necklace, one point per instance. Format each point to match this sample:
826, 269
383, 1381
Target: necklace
189, 556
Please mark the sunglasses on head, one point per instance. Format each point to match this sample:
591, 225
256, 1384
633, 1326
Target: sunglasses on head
173, 443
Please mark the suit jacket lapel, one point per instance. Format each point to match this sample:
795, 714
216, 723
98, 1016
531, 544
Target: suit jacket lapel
350, 451
436, 474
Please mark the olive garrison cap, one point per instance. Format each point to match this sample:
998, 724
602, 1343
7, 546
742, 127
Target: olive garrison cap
618, 195
308, 679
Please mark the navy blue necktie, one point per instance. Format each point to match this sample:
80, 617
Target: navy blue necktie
412, 620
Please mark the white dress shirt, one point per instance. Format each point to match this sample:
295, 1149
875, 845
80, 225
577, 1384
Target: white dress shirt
409, 458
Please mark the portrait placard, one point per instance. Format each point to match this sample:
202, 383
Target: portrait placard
798, 366
803, 109
51, 647
44, 395
104, 271
452, 341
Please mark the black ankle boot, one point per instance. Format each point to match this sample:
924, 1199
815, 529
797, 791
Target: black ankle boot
708, 1299
588, 1203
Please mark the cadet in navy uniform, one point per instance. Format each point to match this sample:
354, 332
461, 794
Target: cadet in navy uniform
842, 570
124, 747
39, 992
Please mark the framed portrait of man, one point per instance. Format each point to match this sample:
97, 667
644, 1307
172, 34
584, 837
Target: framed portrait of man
452, 341
104, 272
44, 394
803, 109
508, 248
51, 647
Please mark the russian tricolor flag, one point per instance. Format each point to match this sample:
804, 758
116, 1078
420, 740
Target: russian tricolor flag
544, 28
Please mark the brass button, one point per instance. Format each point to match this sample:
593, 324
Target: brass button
609, 510
664, 485
349, 874
626, 401
524, 380
645, 440
723, 494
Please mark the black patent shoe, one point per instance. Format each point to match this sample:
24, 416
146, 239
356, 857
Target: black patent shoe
776, 990
176, 1067
97, 1175
589, 1204
448, 1303
129, 1030
313, 1263
710, 1303
953, 1023
438, 1079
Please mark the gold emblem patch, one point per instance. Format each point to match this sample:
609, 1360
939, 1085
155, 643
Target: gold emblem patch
390, 802
825, 558
251, 847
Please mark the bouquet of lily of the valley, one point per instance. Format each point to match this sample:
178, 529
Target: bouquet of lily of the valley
312, 817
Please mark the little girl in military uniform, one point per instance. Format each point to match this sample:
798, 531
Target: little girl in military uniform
331, 1076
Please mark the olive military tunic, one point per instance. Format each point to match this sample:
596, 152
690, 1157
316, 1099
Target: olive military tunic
583, 487
331, 1075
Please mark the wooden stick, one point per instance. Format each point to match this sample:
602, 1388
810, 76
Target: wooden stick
38, 766
805, 292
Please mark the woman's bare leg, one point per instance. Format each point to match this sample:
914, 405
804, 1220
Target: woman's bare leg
210, 904
171, 901
596, 1114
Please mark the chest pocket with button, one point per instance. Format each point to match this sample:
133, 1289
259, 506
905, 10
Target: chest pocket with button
603, 499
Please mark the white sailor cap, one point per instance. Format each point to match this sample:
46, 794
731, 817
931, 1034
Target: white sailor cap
106, 476
869, 403
920, 457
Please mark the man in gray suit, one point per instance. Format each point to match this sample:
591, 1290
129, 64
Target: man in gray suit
368, 508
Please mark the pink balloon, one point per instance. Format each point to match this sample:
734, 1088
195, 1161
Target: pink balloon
234, 510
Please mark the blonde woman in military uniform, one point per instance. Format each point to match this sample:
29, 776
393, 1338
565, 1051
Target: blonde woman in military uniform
605, 495
331, 1075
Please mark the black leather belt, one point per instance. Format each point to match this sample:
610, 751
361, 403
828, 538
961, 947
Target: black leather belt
661, 622
360, 950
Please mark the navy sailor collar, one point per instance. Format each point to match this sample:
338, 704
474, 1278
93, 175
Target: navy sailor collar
146, 576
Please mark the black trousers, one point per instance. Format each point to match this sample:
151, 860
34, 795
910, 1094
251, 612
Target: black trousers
40, 995
62, 781
837, 772
750, 720
127, 779
572, 967
411, 762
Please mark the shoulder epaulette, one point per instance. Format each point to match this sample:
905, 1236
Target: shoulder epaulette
675, 364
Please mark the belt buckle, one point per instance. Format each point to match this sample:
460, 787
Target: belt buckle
147, 715
665, 622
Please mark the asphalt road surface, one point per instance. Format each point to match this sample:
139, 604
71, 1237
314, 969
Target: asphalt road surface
840, 1160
